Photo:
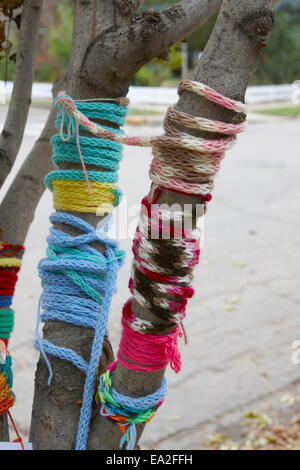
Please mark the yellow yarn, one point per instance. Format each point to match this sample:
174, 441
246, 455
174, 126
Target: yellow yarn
10, 262
73, 195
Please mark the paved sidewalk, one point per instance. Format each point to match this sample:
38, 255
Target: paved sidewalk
245, 313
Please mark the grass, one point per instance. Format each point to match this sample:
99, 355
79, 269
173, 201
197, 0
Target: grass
143, 112
288, 111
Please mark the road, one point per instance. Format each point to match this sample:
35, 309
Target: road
245, 313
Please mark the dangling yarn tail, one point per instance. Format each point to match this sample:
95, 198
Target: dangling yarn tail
129, 436
19, 438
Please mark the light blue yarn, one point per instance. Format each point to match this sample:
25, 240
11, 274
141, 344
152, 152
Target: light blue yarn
128, 405
141, 403
73, 301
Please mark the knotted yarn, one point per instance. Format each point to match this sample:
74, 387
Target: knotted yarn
78, 283
127, 411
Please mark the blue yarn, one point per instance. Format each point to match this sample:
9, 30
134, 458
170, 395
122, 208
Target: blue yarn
78, 284
5, 301
78, 281
141, 403
128, 406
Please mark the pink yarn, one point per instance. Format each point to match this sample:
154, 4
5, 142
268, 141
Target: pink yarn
147, 352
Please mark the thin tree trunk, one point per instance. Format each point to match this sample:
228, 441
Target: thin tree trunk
12, 134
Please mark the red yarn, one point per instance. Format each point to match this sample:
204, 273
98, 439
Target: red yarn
8, 281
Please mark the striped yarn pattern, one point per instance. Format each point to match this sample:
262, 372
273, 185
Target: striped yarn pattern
164, 263
90, 191
10, 262
164, 266
165, 255
7, 397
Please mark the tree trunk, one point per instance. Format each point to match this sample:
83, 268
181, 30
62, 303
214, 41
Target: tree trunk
226, 65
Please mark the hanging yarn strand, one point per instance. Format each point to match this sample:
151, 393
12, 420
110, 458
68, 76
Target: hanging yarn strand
78, 286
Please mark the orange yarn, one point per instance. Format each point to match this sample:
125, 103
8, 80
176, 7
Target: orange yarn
7, 397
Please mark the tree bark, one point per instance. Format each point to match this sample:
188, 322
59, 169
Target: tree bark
125, 50
13, 130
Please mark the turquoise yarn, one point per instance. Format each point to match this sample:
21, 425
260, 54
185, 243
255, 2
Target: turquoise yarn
6, 370
101, 153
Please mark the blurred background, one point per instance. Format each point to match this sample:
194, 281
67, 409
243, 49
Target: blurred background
239, 386
279, 63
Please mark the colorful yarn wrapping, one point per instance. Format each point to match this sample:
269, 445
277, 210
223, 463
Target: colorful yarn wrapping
7, 397
181, 161
165, 254
10, 262
82, 190
78, 282
127, 411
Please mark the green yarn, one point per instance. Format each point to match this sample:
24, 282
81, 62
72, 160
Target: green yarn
6, 322
105, 396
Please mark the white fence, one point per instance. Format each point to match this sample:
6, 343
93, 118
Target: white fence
167, 96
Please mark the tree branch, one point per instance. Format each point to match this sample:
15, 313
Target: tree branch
182, 19
150, 36
12, 133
